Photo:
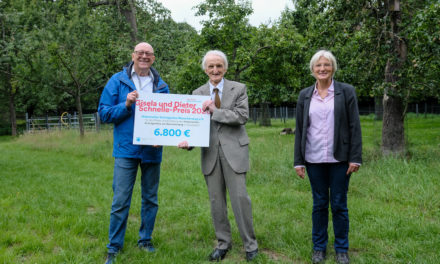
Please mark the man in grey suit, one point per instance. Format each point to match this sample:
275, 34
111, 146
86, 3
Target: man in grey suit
226, 160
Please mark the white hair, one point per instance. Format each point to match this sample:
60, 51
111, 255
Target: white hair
326, 54
216, 53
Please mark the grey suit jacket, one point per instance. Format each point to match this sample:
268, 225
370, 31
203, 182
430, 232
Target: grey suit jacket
347, 145
227, 128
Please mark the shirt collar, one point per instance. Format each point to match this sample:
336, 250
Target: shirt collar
219, 86
331, 88
133, 72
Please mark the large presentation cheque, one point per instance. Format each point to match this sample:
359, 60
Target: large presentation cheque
168, 119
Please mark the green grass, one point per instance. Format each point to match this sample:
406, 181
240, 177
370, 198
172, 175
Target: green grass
55, 197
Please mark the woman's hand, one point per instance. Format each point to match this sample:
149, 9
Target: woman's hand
301, 172
352, 167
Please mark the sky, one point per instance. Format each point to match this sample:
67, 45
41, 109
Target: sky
264, 11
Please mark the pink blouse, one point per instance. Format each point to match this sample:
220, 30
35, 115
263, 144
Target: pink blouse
320, 131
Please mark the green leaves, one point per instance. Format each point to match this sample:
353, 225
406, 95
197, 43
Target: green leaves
50, 47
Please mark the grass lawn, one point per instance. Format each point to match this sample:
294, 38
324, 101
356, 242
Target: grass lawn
55, 198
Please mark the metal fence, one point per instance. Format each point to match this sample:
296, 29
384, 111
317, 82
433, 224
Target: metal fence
65, 121
285, 112
282, 113
92, 121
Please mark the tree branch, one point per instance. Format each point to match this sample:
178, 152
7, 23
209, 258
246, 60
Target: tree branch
21, 77
91, 89
253, 58
78, 85
87, 80
100, 3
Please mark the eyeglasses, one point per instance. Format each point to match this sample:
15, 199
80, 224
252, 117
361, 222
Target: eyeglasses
142, 53
325, 65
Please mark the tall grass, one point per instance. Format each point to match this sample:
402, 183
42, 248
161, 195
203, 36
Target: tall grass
55, 197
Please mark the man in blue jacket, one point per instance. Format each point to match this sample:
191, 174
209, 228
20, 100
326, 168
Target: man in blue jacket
117, 106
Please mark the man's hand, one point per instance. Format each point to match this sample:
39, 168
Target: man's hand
301, 172
209, 105
131, 98
352, 167
183, 145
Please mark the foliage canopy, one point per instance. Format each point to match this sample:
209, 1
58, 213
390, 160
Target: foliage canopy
56, 56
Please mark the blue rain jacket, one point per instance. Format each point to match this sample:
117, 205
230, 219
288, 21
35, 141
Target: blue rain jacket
112, 110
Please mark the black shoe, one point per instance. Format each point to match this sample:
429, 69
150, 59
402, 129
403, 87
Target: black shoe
251, 255
318, 256
218, 254
111, 257
342, 258
147, 246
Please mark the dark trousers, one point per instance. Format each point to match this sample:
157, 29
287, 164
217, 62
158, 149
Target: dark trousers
329, 183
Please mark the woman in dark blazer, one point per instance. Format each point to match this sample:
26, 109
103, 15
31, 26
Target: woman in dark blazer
328, 143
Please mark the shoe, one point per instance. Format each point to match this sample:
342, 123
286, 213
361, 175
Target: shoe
111, 257
318, 256
251, 255
218, 254
147, 246
342, 258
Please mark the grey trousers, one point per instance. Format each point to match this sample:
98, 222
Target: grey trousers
223, 178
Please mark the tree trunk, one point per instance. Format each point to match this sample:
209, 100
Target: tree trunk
80, 114
129, 12
393, 130
265, 114
12, 113
127, 8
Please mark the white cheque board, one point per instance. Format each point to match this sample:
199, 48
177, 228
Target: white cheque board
168, 119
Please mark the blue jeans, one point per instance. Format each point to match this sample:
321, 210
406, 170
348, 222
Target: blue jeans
124, 178
329, 179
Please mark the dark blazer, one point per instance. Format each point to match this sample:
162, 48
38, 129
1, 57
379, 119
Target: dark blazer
227, 128
347, 145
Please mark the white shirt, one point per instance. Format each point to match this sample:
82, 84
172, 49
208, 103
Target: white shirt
143, 83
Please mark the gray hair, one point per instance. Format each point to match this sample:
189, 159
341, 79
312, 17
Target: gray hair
326, 54
216, 53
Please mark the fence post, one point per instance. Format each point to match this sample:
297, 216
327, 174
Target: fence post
27, 122
75, 120
97, 122
285, 114
281, 114
69, 120
426, 109
47, 121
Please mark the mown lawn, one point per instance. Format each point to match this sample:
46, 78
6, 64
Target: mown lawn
55, 197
